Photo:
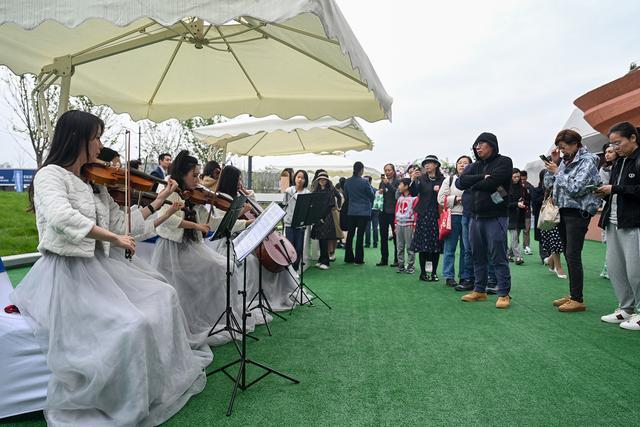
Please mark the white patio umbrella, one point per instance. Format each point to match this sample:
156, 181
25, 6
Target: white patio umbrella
165, 59
273, 136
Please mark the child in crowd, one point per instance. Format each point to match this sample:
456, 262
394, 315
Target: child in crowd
405, 220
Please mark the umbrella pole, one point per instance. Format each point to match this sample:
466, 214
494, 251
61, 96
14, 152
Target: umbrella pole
250, 173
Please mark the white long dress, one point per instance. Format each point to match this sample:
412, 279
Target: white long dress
115, 337
198, 274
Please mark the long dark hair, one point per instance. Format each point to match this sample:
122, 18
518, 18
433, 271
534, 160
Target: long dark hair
228, 181
182, 165
209, 168
72, 134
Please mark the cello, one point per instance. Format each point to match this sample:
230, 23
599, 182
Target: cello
276, 253
271, 252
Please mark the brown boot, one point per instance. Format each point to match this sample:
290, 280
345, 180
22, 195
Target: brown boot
572, 306
475, 296
560, 301
503, 302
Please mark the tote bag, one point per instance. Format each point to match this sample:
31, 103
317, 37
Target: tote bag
549, 215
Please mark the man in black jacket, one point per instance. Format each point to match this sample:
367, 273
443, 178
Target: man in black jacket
488, 179
621, 219
389, 187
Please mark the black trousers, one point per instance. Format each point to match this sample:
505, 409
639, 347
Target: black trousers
324, 252
357, 227
573, 228
387, 220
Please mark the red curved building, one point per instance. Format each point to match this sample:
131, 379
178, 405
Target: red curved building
616, 101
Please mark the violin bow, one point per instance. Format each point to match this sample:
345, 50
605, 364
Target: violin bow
127, 186
144, 169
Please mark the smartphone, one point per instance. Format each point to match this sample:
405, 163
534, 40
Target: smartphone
591, 187
544, 158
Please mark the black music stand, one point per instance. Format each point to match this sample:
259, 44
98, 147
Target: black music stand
224, 232
310, 209
263, 302
240, 381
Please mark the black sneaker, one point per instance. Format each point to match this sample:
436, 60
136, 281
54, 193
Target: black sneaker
519, 261
381, 264
401, 270
465, 286
492, 288
394, 264
424, 277
434, 277
451, 283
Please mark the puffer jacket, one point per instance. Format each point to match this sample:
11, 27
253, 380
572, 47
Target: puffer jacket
570, 183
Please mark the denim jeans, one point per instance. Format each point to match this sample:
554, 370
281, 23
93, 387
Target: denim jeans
466, 273
488, 238
373, 224
450, 245
296, 237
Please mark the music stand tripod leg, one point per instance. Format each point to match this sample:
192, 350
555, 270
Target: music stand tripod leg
240, 381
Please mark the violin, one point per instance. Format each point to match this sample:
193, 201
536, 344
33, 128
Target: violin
104, 174
142, 198
199, 195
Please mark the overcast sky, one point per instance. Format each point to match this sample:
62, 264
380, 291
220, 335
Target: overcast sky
457, 68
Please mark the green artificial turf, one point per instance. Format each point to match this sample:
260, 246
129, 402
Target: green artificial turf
18, 232
396, 351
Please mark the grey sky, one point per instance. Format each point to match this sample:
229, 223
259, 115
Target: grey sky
458, 68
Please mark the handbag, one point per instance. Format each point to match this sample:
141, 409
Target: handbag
549, 215
335, 213
444, 221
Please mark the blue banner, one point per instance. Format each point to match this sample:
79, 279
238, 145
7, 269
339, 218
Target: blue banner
9, 178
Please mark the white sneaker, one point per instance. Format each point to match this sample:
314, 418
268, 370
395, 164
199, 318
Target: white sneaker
633, 324
546, 261
332, 258
527, 251
617, 316
323, 267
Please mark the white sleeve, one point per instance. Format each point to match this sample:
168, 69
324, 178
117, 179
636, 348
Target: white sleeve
52, 202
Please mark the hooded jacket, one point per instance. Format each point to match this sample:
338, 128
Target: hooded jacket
499, 169
570, 183
625, 182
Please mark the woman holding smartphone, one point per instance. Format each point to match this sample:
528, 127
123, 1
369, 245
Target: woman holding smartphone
573, 179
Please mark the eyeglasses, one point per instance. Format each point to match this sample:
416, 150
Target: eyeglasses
616, 143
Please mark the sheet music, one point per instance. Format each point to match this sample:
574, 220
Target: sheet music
250, 238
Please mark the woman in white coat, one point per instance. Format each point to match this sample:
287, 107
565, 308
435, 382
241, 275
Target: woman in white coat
115, 337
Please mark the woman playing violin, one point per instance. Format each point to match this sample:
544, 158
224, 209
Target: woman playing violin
277, 286
115, 338
195, 270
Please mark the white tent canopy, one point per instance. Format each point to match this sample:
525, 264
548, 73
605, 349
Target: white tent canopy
272, 136
156, 60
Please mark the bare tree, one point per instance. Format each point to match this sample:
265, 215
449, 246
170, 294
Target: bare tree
18, 97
